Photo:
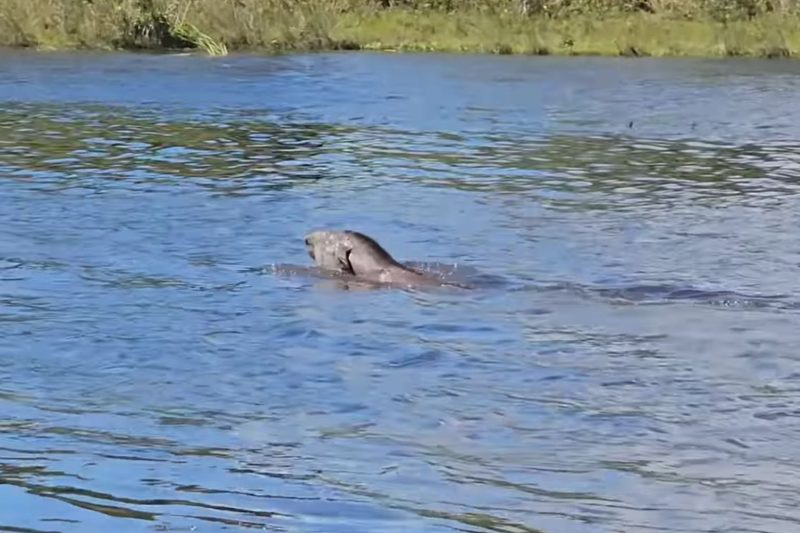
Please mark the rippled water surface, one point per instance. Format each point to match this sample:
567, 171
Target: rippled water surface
629, 360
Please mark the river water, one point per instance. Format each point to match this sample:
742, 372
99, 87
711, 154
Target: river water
633, 365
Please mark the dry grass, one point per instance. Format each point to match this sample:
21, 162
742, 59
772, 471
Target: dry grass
607, 27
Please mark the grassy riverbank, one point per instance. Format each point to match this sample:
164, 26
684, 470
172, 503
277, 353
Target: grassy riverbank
570, 27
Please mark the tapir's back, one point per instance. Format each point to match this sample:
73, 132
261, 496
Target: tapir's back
366, 255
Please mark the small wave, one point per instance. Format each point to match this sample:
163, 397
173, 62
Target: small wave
659, 294
449, 275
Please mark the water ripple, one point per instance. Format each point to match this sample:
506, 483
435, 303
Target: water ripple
626, 359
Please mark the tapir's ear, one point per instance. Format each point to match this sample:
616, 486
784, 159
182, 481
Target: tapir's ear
344, 261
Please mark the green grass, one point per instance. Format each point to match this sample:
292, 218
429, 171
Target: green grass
623, 34
563, 27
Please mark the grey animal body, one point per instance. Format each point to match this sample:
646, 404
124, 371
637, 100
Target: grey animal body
351, 252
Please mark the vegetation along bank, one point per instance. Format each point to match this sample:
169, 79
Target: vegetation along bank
760, 28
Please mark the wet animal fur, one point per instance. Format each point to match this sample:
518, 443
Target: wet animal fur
354, 253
